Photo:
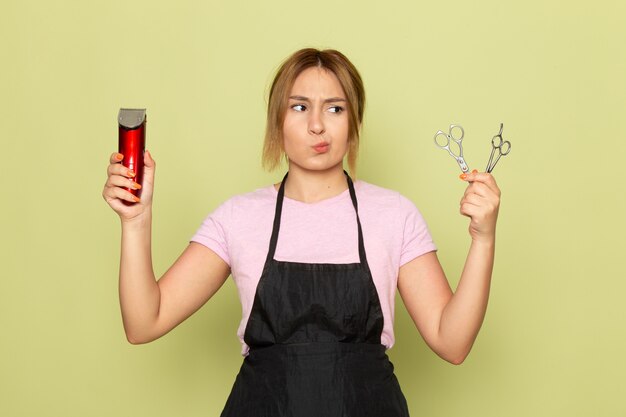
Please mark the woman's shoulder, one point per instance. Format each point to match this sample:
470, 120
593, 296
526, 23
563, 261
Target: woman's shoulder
374, 190
381, 197
251, 200
261, 194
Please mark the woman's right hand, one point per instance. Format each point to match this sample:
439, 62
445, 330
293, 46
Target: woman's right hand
119, 177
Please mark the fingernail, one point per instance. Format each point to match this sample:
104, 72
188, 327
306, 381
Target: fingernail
463, 176
136, 185
475, 171
137, 199
131, 173
119, 156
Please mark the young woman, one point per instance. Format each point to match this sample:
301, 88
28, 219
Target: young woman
316, 259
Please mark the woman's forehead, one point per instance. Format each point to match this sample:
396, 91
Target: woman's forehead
317, 81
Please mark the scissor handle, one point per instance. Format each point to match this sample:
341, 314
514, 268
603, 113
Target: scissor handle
445, 135
496, 141
459, 139
505, 147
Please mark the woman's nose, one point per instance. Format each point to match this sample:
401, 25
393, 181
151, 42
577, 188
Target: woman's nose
316, 124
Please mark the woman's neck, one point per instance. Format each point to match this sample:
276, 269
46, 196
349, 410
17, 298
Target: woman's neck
313, 186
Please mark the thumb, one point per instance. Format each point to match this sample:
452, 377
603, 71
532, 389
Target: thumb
147, 160
148, 175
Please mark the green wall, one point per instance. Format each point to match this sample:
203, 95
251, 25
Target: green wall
554, 337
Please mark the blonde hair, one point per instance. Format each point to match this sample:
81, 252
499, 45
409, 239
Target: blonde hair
350, 80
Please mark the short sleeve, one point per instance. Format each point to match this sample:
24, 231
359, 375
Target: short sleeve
213, 232
416, 236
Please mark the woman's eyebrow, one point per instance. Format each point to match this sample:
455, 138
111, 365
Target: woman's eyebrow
328, 100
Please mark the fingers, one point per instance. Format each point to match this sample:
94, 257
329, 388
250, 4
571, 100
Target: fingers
476, 212
469, 210
472, 205
485, 178
122, 181
120, 193
116, 168
481, 194
480, 203
479, 189
473, 199
116, 157
120, 178
116, 187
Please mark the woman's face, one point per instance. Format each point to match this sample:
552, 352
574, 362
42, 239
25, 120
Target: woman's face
315, 130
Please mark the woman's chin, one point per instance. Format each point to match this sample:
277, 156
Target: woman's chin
317, 166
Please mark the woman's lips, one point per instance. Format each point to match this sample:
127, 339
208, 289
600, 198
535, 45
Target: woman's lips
321, 147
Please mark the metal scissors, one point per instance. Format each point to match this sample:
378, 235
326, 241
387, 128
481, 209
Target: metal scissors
503, 147
448, 137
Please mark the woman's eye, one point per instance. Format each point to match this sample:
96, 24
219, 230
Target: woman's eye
336, 109
298, 107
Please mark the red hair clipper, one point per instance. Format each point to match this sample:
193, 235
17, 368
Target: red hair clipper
132, 143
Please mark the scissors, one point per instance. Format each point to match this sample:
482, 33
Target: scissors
448, 137
503, 147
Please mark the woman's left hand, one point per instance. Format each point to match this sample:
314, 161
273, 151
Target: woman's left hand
481, 203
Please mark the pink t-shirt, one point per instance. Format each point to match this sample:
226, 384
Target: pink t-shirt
394, 232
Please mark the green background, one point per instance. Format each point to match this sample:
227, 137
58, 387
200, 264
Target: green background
553, 341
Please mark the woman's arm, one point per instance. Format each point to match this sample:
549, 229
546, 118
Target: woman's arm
150, 309
449, 322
